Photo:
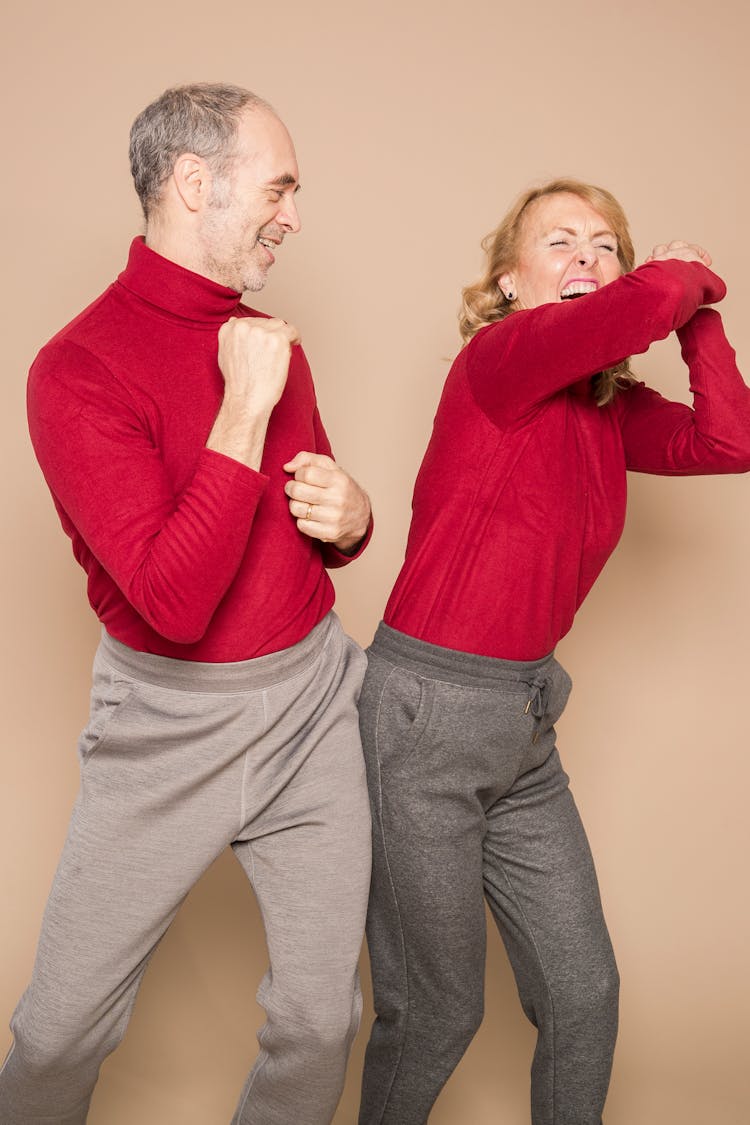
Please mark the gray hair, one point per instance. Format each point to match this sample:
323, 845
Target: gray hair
201, 118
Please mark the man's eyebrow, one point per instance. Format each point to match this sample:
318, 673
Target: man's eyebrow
284, 180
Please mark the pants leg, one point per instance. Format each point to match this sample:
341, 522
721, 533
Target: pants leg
307, 855
425, 922
178, 762
542, 889
461, 760
133, 850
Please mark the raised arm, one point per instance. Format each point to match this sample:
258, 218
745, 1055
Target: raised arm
711, 437
517, 363
172, 553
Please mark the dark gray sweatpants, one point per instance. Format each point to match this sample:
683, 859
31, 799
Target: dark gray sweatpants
469, 801
178, 761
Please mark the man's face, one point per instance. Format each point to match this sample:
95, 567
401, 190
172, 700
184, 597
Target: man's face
252, 206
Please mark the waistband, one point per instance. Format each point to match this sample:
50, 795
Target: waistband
455, 666
243, 675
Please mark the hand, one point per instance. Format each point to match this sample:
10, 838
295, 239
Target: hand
254, 355
326, 503
683, 251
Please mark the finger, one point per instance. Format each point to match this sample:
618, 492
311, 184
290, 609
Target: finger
324, 521
283, 327
314, 530
304, 457
318, 476
301, 501
307, 494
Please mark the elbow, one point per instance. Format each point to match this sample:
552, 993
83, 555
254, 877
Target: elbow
178, 620
177, 629
738, 452
728, 457
180, 635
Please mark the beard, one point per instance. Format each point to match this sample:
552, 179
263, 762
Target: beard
232, 254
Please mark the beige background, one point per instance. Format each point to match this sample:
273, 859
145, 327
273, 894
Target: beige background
415, 124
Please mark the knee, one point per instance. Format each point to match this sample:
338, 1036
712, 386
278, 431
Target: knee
462, 1025
591, 1000
48, 1049
42, 1055
327, 1028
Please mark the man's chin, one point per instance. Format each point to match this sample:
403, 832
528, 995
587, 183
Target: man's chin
254, 283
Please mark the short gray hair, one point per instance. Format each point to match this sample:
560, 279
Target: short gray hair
201, 118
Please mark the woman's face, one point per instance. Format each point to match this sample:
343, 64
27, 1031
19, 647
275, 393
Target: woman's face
566, 250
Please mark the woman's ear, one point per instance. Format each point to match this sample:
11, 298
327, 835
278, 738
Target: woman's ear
507, 283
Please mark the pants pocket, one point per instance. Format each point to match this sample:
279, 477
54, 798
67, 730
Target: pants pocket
403, 715
109, 691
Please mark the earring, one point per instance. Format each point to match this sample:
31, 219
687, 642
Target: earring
509, 295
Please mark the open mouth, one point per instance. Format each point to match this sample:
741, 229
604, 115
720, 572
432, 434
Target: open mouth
269, 245
578, 289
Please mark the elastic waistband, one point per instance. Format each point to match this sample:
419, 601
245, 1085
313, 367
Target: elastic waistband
452, 665
242, 675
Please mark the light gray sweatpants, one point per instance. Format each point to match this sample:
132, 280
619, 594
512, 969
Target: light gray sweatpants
178, 761
470, 803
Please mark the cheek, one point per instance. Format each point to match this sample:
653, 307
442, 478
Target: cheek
611, 270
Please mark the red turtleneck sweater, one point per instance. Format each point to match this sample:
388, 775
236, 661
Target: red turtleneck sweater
189, 553
520, 499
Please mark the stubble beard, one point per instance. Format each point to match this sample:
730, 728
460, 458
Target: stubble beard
226, 260
228, 263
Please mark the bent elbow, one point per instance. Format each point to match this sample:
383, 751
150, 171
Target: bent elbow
178, 630
178, 620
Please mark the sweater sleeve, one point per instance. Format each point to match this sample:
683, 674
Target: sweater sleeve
517, 363
173, 556
670, 438
332, 557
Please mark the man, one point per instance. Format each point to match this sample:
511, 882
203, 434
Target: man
180, 438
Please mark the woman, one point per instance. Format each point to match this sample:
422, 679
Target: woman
518, 504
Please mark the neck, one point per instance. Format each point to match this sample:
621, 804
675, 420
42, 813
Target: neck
178, 245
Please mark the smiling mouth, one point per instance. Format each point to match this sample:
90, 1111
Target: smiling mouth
578, 289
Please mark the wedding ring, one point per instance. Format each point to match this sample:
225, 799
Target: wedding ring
308, 513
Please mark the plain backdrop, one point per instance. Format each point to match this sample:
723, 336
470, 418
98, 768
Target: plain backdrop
416, 125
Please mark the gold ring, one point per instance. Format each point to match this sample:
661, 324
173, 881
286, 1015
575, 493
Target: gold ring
308, 513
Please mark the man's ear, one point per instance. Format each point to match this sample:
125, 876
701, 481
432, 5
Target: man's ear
192, 180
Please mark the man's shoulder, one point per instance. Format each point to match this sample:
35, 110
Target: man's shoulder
245, 310
80, 333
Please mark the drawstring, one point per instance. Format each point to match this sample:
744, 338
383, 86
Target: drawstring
538, 697
538, 701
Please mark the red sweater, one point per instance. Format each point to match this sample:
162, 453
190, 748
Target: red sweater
189, 553
520, 499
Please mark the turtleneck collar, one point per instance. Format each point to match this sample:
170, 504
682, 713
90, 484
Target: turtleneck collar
174, 289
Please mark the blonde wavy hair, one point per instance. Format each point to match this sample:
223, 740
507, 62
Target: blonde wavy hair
484, 302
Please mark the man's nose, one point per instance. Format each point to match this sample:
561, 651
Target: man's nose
288, 216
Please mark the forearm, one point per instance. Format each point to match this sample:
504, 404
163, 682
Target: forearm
239, 433
173, 549
516, 364
712, 437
